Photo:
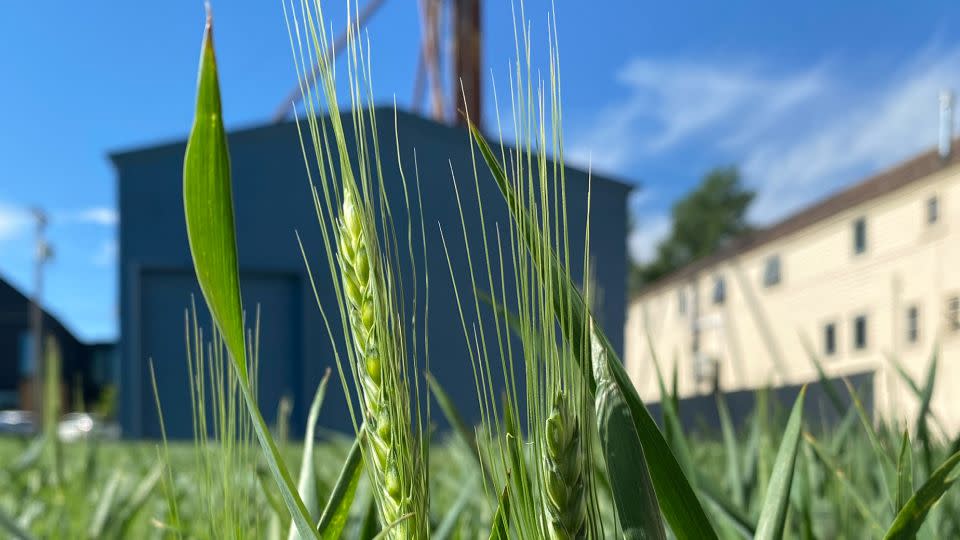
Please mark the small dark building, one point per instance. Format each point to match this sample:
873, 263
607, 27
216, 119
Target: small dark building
17, 358
272, 200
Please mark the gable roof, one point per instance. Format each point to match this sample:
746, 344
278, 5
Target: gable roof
15, 308
872, 187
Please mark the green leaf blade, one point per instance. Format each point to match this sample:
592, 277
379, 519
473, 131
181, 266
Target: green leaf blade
904, 472
335, 513
208, 211
306, 484
208, 207
773, 515
630, 482
911, 517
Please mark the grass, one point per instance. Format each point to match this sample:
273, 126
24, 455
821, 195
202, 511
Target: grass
838, 493
565, 448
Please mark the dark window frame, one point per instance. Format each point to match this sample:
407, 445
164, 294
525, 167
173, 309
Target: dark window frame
830, 339
860, 236
861, 334
933, 210
719, 290
913, 324
772, 271
953, 313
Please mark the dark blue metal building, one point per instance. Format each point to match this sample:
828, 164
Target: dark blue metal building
272, 200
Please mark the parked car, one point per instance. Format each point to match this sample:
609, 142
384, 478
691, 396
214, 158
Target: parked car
79, 425
13, 422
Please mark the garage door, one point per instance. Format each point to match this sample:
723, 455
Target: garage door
165, 297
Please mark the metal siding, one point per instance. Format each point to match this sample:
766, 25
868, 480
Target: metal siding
272, 200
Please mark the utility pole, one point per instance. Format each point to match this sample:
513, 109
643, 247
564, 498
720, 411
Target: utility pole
42, 254
467, 83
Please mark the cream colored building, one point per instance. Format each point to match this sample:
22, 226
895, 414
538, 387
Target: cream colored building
869, 272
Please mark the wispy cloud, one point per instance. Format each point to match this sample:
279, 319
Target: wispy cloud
13, 221
798, 136
869, 131
670, 102
97, 215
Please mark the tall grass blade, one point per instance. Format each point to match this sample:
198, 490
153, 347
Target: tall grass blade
862, 506
447, 526
119, 525
671, 415
51, 408
773, 515
734, 479
10, 527
501, 518
912, 384
335, 513
208, 210
105, 504
307, 484
740, 522
904, 472
923, 434
676, 496
886, 462
914, 512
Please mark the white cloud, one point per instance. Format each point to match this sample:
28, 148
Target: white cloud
98, 215
883, 126
797, 136
670, 102
645, 235
13, 221
106, 255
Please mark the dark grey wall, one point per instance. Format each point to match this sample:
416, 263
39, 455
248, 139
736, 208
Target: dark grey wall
699, 414
271, 198
15, 328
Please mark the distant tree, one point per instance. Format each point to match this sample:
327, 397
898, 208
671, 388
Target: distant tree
703, 221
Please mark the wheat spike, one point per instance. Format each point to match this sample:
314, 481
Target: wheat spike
563, 463
360, 288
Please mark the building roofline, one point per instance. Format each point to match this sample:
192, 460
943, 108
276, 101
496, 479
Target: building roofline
4, 282
872, 187
119, 155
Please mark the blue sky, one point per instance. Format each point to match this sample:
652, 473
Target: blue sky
806, 98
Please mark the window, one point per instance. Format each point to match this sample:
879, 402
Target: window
682, 302
860, 332
953, 314
913, 324
859, 236
719, 290
27, 360
830, 339
771, 271
933, 210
